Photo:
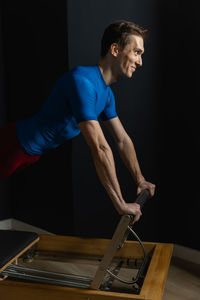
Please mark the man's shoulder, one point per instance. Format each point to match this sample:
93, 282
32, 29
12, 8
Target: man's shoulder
88, 72
84, 74
78, 72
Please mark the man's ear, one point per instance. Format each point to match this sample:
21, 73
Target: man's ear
114, 49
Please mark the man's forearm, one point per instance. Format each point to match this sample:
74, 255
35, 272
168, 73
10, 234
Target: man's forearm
128, 155
105, 167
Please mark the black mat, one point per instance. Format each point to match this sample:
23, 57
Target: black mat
12, 243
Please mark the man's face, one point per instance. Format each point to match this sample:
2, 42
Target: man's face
128, 59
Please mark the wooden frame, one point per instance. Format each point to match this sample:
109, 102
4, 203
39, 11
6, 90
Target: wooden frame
152, 288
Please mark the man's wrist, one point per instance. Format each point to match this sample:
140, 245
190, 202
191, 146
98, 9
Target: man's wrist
120, 206
140, 180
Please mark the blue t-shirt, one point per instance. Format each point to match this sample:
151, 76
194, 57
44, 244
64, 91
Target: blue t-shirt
79, 95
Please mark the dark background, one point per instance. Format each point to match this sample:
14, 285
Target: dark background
40, 40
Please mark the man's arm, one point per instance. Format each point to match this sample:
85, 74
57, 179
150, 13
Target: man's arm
105, 167
127, 152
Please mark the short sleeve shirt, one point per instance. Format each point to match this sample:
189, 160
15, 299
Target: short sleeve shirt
78, 95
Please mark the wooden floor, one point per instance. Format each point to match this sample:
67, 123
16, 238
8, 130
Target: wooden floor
183, 281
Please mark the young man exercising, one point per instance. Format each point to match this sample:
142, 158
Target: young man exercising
78, 98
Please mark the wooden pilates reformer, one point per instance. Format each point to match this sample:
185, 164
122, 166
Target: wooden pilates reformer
62, 267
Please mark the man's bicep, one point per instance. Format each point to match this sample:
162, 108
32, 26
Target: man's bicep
116, 129
109, 111
82, 97
93, 134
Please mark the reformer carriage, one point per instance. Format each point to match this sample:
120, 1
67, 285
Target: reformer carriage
63, 267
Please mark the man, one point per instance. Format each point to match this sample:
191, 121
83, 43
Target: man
78, 98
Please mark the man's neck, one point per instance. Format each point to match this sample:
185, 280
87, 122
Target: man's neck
107, 71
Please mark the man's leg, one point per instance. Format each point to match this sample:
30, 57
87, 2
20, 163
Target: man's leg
12, 156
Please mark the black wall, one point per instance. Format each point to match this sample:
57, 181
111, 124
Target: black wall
5, 211
179, 121
35, 37
158, 107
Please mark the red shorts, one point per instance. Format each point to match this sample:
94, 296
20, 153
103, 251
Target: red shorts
12, 156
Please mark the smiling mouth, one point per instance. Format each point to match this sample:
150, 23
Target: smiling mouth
133, 68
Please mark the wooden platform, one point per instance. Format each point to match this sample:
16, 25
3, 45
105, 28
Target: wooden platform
152, 288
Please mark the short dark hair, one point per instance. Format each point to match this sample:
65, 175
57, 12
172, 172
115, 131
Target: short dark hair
119, 32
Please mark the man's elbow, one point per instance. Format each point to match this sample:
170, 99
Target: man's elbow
121, 144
